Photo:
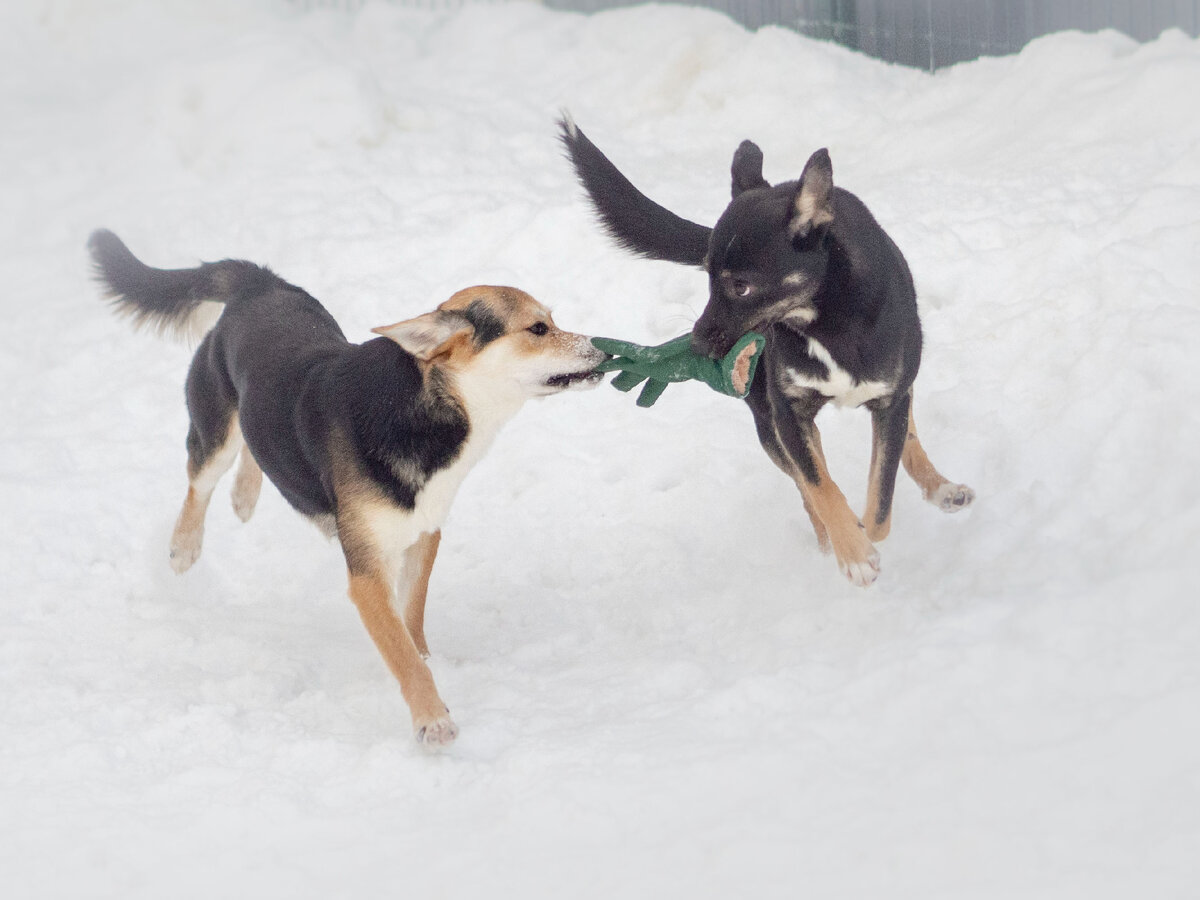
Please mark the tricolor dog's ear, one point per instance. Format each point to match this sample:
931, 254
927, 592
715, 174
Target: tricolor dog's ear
430, 335
813, 205
747, 168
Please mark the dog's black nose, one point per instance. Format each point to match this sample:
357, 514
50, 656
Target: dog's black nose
706, 341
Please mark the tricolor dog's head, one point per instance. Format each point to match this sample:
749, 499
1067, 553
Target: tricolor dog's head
768, 252
501, 338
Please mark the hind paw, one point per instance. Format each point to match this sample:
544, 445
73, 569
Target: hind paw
185, 550
243, 506
246, 488
952, 497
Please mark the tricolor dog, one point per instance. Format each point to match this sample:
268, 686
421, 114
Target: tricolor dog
370, 441
805, 263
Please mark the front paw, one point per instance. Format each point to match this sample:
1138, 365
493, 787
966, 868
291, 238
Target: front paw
858, 559
861, 573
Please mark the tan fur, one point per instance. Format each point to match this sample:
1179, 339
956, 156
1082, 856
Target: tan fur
818, 526
431, 718
917, 464
834, 521
835, 524
418, 566
246, 486
188, 537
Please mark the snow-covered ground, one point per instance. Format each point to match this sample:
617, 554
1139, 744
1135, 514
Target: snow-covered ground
664, 689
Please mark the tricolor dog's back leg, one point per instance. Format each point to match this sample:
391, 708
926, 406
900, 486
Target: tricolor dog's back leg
246, 485
213, 441
935, 487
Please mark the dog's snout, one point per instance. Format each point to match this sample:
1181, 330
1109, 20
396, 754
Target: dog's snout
594, 354
707, 339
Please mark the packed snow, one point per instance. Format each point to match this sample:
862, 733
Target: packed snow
664, 688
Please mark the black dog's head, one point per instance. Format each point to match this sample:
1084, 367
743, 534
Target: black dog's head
768, 252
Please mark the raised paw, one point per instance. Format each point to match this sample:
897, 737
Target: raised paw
437, 733
952, 497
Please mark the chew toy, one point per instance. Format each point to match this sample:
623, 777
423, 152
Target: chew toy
676, 361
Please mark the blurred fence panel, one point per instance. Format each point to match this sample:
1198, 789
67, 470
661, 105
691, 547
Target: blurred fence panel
934, 33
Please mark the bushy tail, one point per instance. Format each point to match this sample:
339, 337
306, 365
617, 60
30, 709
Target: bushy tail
175, 302
631, 218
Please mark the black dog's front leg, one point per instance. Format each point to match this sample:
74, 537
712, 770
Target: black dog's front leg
889, 425
768, 436
800, 441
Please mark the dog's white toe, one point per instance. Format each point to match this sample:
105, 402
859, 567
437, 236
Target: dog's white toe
952, 497
862, 574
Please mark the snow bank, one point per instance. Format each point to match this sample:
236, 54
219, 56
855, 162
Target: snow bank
664, 688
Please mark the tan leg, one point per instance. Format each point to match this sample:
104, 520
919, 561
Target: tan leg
857, 558
188, 537
418, 564
818, 527
246, 485
431, 718
935, 487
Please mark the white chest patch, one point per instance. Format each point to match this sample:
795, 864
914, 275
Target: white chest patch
840, 386
489, 403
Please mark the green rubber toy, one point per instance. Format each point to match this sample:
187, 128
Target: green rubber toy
676, 361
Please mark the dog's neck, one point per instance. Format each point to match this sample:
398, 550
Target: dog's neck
489, 401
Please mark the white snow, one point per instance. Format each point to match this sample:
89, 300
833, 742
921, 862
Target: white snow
664, 689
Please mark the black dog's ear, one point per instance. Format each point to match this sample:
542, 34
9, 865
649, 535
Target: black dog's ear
813, 205
747, 168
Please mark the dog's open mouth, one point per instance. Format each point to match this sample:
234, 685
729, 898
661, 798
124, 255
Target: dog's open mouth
571, 379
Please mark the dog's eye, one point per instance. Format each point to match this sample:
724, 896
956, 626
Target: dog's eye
742, 288
538, 328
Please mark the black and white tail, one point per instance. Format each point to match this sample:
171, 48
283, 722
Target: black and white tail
631, 218
175, 302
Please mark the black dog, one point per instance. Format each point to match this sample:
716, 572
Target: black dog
805, 263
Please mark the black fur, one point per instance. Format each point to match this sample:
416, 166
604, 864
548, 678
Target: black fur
487, 325
631, 218
821, 270
164, 299
279, 361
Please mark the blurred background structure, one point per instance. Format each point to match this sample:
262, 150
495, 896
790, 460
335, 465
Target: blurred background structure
930, 34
